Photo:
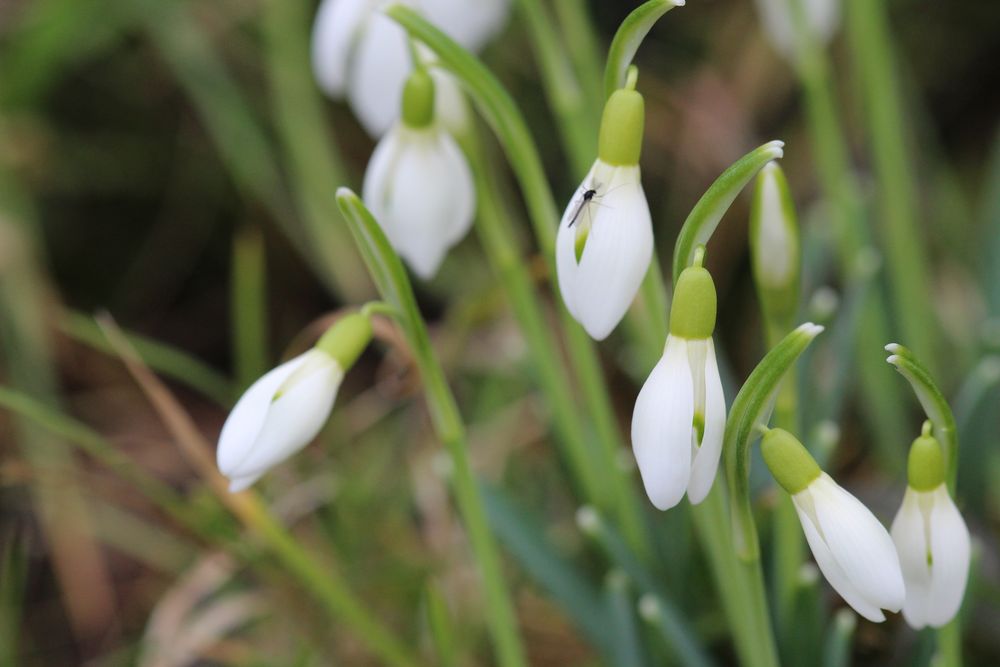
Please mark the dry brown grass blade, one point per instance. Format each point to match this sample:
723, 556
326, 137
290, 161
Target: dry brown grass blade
193, 446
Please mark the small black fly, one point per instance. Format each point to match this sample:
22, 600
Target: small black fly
588, 196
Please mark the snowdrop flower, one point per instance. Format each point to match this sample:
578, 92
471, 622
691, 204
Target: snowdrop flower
418, 184
680, 414
286, 408
821, 17
931, 539
361, 54
605, 239
853, 550
774, 247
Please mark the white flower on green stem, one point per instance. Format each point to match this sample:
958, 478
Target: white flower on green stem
852, 548
605, 238
361, 54
680, 414
418, 184
603, 247
932, 540
285, 409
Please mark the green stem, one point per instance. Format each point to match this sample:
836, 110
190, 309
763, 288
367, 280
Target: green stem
576, 122
739, 583
898, 195
505, 258
882, 404
314, 166
583, 46
393, 284
500, 111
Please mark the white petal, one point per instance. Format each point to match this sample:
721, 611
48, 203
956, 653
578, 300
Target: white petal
470, 23
380, 64
566, 264
618, 250
661, 427
292, 419
860, 544
706, 461
909, 536
244, 423
335, 30
420, 189
451, 109
828, 565
950, 549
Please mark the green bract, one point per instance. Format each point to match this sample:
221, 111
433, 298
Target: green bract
707, 213
774, 245
751, 408
347, 339
788, 460
925, 468
418, 100
630, 34
933, 402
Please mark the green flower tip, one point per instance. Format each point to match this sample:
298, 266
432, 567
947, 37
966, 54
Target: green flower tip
788, 460
620, 140
347, 339
925, 468
418, 99
692, 314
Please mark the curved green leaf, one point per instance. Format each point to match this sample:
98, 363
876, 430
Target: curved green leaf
752, 406
707, 213
394, 285
630, 34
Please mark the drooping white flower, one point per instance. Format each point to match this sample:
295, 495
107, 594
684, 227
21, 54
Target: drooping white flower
605, 238
286, 408
680, 413
277, 416
821, 16
361, 54
678, 423
932, 540
852, 548
419, 187
603, 247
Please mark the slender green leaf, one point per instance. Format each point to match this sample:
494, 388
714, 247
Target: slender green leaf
679, 636
629, 37
441, 626
390, 278
248, 305
628, 644
524, 537
708, 212
837, 649
13, 580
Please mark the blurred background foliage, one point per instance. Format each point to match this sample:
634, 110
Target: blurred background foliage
171, 163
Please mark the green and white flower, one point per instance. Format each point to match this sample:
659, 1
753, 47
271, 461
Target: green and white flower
605, 238
852, 548
680, 414
286, 408
418, 183
931, 538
